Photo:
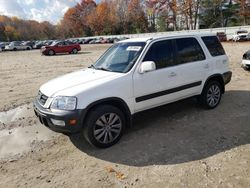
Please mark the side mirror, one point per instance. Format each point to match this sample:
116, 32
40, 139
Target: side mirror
147, 66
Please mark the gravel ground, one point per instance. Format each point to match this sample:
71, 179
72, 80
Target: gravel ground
178, 145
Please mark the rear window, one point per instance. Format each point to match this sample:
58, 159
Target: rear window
213, 45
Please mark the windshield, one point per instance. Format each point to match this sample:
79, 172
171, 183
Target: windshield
120, 57
53, 43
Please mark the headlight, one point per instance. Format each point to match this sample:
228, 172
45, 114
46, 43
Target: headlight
64, 103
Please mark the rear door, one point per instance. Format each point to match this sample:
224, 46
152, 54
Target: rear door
192, 68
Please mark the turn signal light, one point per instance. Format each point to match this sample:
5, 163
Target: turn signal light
72, 121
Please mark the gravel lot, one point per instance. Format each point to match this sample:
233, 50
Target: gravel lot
178, 145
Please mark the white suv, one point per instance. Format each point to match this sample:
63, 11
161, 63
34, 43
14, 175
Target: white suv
132, 76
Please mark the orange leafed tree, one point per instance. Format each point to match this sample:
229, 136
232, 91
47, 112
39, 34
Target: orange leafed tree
103, 19
11, 33
74, 20
137, 21
245, 11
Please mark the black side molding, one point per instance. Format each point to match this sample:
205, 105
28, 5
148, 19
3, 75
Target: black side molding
166, 92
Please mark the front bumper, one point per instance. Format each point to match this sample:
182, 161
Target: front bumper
245, 62
45, 116
43, 52
227, 77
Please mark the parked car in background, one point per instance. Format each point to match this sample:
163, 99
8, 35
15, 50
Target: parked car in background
222, 36
87, 41
104, 41
241, 35
245, 63
48, 42
2, 46
17, 45
81, 41
61, 47
28, 43
39, 45
93, 41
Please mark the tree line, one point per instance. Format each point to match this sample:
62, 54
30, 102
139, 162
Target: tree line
128, 17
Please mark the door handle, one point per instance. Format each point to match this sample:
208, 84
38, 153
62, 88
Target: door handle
172, 74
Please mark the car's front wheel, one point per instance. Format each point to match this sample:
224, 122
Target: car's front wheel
211, 95
51, 52
104, 126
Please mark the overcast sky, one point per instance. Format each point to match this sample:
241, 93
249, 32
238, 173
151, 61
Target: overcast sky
40, 10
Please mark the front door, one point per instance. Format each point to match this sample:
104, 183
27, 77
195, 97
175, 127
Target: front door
150, 87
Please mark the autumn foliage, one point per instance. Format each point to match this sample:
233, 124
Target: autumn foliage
109, 17
18, 29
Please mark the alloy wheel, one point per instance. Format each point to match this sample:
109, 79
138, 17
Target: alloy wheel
107, 128
213, 95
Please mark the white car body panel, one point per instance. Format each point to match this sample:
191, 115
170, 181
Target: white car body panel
92, 85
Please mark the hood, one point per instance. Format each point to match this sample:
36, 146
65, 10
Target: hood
74, 79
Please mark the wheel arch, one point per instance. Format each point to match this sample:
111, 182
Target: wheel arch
51, 50
114, 101
218, 78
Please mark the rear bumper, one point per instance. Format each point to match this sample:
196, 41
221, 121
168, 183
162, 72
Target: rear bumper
45, 116
227, 77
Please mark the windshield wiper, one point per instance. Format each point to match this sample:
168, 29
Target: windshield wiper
104, 69
92, 66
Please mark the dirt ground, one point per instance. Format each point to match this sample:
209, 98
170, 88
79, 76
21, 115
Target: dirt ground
178, 145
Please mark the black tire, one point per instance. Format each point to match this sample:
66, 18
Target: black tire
27, 48
74, 51
247, 67
97, 132
15, 49
51, 52
211, 95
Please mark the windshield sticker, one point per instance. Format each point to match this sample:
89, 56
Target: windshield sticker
134, 48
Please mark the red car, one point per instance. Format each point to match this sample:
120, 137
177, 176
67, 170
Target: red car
61, 47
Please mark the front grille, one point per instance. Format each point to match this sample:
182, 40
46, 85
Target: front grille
42, 98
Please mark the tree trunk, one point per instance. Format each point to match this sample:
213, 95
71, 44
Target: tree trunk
196, 13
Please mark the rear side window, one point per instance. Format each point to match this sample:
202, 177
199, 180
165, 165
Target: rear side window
162, 53
189, 50
213, 45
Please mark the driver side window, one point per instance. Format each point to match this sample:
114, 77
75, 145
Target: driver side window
162, 53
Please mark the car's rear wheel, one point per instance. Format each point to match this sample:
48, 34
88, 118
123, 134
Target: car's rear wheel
51, 52
74, 51
211, 95
104, 126
27, 48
